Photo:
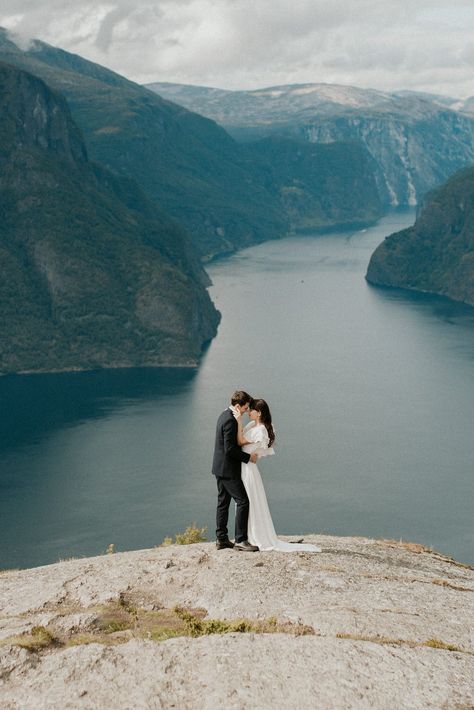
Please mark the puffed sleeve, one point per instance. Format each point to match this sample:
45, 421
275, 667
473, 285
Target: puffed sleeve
258, 438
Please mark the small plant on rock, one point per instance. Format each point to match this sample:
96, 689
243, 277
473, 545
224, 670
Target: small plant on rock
38, 639
190, 536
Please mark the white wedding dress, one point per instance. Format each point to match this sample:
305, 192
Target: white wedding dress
261, 531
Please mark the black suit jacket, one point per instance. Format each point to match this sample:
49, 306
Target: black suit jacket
228, 456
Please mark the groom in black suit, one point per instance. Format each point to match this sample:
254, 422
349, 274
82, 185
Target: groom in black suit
226, 467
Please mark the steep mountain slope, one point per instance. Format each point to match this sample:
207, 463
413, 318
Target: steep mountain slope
437, 253
93, 275
321, 187
417, 141
186, 163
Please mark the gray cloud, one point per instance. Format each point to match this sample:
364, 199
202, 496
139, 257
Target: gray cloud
254, 43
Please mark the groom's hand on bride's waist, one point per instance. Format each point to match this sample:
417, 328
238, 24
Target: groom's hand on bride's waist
254, 458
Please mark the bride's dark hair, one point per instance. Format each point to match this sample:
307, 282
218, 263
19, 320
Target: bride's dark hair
265, 417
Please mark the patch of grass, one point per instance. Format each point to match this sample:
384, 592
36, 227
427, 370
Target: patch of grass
164, 623
196, 626
436, 643
113, 618
118, 622
37, 640
126, 605
163, 634
431, 643
190, 536
111, 626
83, 640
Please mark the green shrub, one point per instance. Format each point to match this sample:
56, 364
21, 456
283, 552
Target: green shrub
191, 535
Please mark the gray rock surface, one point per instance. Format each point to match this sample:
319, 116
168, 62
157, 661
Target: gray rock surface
373, 606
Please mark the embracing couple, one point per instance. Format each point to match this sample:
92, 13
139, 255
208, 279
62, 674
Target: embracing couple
236, 452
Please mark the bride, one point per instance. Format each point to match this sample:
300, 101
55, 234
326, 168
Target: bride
258, 437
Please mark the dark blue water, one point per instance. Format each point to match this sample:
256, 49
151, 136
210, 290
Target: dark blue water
371, 392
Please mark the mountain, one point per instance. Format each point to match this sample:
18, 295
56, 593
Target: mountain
185, 163
467, 105
417, 141
436, 255
321, 187
460, 105
264, 109
93, 274
440, 99
225, 193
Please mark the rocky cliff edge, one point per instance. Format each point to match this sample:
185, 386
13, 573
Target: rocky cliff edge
365, 623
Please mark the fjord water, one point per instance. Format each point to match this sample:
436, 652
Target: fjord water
371, 392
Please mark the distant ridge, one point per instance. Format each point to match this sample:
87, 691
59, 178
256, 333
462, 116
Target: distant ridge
227, 195
416, 140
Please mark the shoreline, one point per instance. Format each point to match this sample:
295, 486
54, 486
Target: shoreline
422, 292
193, 365
208, 261
304, 232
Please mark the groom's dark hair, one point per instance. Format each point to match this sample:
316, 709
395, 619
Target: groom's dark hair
240, 397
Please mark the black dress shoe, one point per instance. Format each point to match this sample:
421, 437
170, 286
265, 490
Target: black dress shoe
223, 544
245, 546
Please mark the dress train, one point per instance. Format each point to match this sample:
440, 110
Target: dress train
261, 530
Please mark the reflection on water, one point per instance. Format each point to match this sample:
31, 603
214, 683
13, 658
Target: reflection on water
371, 392
30, 407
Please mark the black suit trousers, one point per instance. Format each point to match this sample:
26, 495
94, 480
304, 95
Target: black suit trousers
228, 489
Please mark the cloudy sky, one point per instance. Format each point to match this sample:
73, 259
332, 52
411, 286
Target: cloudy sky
247, 44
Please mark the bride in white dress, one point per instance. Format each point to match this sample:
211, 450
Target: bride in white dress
258, 437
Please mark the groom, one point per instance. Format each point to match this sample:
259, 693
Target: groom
226, 467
